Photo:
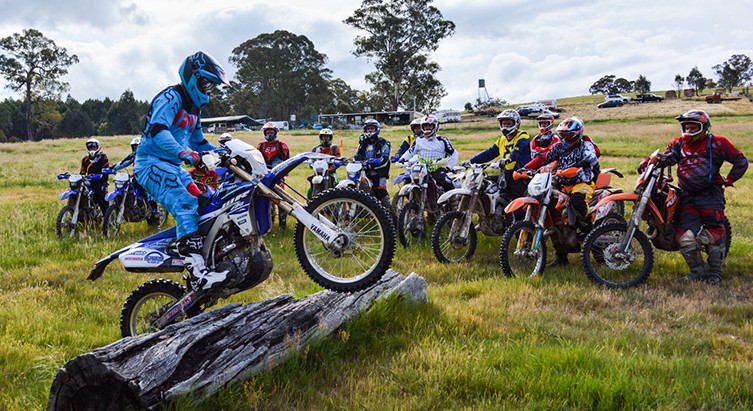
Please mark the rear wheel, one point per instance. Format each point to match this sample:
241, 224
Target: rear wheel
446, 242
148, 303
516, 254
606, 264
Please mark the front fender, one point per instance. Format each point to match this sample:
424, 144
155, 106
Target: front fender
399, 179
67, 194
456, 192
346, 184
406, 189
519, 203
113, 195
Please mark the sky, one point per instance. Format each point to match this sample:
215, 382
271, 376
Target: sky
524, 50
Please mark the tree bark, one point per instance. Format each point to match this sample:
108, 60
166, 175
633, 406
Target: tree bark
205, 353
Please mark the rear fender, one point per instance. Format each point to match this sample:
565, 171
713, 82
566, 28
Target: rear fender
617, 197
406, 189
456, 192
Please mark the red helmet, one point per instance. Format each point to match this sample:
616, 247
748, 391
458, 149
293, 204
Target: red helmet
546, 122
699, 117
270, 126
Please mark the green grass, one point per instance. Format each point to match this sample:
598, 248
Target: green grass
483, 342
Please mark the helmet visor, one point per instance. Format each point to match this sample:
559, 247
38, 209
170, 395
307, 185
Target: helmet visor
568, 135
92, 146
205, 85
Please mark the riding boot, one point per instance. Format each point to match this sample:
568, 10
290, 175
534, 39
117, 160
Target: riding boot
716, 260
190, 249
694, 259
560, 260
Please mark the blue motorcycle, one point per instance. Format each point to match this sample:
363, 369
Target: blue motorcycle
81, 211
130, 202
343, 240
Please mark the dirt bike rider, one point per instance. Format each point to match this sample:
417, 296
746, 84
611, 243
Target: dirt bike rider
430, 146
173, 123
415, 132
275, 151
374, 151
95, 162
130, 158
514, 147
573, 151
699, 155
546, 139
325, 146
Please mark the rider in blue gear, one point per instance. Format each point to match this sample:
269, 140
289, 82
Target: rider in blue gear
374, 151
130, 158
172, 126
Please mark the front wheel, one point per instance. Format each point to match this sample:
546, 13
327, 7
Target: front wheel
64, 225
517, 255
366, 246
446, 240
111, 226
148, 303
606, 264
411, 226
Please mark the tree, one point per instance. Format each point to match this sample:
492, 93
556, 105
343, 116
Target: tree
736, 71
280, 74
679, 84
34, 63
344, 98
642, 85
622, 85
125, 116
603, 85
696, 80
76, 123
468, 106
399, 36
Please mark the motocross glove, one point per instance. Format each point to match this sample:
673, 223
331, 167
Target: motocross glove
190, 158
727, 181
395, 159
372, 162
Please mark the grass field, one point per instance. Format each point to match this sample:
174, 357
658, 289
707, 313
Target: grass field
483, 342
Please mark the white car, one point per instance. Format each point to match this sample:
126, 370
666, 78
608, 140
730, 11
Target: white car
618, 97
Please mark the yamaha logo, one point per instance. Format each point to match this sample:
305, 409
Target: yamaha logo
321, 233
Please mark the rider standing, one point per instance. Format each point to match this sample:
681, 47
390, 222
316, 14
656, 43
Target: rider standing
275, 152
431, 146
513, 146
172, 125
94, 163
374, 151
699, 221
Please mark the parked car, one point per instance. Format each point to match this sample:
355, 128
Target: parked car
317, 126
611, 103
643, 98
617, 97
524, 111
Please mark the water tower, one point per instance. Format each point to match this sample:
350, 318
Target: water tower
483, 95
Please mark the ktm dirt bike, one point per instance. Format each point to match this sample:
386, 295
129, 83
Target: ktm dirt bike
620, 255
344, 241
548, 216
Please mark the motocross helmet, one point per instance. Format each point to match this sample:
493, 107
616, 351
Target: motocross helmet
429, 127
267, 127
373, 135
699, 117
546, 122
93, 147
415, 128
135, 143
224, 138
509, 131
199, 74
325, 137
570, 130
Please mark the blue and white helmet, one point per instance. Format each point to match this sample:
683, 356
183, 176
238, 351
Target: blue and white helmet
199, 74
372, 136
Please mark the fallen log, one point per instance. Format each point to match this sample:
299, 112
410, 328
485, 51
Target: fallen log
203, 354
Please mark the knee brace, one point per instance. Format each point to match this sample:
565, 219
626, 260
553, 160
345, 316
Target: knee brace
687, 240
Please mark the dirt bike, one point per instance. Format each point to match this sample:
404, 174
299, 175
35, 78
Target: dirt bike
620, 255
417, 213
81, 210
355, 177
131, 203
453, 238
523, 249
344, 241
324, 176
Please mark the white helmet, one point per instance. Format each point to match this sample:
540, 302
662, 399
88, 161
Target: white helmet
135, 143
429, 132
224, 138
93, 147
509, 114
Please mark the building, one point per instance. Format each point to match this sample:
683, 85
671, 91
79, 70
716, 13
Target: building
356, 120
229, 123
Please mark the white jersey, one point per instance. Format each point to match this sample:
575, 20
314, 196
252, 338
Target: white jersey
437, 148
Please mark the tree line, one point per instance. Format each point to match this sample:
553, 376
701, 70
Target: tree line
737, 71
278, 74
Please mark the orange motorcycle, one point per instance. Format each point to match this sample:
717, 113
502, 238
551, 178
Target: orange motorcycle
524, 247
620, 255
